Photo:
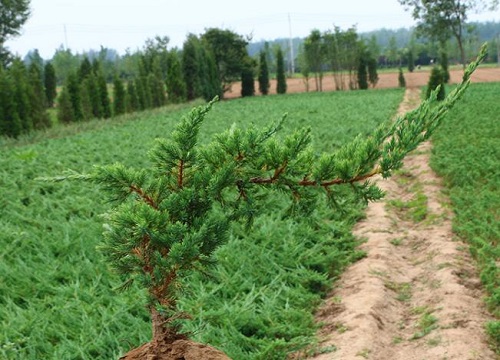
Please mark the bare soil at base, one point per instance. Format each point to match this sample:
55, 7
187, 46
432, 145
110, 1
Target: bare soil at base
416, 294
386, 80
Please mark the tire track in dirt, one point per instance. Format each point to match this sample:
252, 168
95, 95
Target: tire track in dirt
416, 295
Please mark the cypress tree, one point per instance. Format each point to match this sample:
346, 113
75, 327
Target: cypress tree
94, 94
401, 78
263, 74
280, 69
119, 105
74, 93
372, 71
103, 95
39, 114
157, 83
247, 79
141, 94
86, 99
22, 93
10, 123
411, 60
191, 67
132, 100
65, 110
211, 85
436, 79
362, 73
443, 61
85, 69
50, 83
176, 87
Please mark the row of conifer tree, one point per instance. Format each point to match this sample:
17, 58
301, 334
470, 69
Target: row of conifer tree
25, 94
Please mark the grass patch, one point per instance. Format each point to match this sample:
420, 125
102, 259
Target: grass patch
466, 153
403, 290
426, 324
415, 209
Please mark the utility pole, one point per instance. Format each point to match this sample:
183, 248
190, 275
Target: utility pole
65, 37
498, 50
292, 57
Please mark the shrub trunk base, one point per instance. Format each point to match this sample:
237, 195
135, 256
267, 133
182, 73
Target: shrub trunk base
179, 349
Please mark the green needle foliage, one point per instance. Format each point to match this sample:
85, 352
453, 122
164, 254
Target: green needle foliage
171, 217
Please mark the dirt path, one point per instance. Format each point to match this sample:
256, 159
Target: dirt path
416, 295
386, 80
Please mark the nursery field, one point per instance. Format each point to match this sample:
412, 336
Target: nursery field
466, 154
58, 297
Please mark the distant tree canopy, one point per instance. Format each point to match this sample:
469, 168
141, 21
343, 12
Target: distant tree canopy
230, 53
441, 19
13, 14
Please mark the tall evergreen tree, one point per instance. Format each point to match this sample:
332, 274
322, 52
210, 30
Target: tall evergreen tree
280, 68
132, 100
94, 95
21, 93
50, 83
85, 69
65, 110
263, 74
401, 78
74, 93
209, 76
443, 61
119, 105
103, 95
247, 79
156, 81
39, 114
176, 87
362, 73
142, 96
436, 79
86, 99
372, 71
10, 123
192, 67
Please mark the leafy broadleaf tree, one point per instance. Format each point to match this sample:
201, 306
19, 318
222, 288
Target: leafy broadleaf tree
13, 14
315, 52
442, 19
229, 51
280, 72
263, 74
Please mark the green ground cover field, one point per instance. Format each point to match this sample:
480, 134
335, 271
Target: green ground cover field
57, 295
467, 154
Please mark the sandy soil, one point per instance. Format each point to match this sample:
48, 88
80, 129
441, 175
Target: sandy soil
416, 295
386, 80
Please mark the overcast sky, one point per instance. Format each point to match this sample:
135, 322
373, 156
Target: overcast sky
120, 24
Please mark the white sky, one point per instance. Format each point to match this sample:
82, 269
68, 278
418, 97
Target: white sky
122, 24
